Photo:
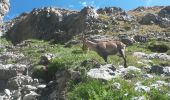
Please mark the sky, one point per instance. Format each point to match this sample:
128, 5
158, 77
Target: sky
20, 6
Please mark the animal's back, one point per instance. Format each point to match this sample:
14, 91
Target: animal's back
108, 47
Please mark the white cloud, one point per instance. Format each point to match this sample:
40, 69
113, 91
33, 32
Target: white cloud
84, 4
71, 6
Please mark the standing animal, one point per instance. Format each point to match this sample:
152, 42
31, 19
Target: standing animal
106, 48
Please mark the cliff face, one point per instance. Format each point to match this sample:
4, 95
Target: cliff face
4, 8
60, 25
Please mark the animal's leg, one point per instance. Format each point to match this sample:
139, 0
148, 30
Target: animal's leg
122, 53
105, 58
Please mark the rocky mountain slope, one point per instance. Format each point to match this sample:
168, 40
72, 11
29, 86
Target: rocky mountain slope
61, 25
4, 8
41, 55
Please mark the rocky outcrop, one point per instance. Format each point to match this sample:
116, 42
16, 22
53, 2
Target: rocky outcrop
40, 24
150, 19
108, 72
165, 12
4, 8
110, 10
162, 56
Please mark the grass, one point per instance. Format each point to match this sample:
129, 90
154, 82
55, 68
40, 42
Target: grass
97, 90
90, 89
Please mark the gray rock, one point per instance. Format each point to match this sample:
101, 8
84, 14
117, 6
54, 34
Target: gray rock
150, 19
141, 88
141, 38
162, 56
138, 98
4, 8
29, 88
31, 96
126, 39
160, 70
165, 12
116, 85
9, 71
159, 84
42, 86
46, 58
166, 70
109, 10
89, 12
148, 76
164, 23
105, 72
157, 69
19, 81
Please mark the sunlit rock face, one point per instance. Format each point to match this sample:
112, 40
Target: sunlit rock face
4, 8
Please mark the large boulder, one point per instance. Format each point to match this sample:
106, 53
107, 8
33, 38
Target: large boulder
4, 8
44, 23
165, 15
110, 10
150, 19
164, 23
10, 70
89, 12
19, 81
165, 12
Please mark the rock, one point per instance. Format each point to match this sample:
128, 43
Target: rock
4, 8
31, 96
126, 39
148, 76
8, 93
165, 12
9, 71
138, 98
159, 84
166, 70
149, 19
141, 88
109, 10
162, 56
160, 70
42, 86
116, 85
128, 69
156, 69
16, 94
46, 58
19, 81
56, 90
71, 43
164, 23
36, 22
4, 56
89, 13
163, 83
140, 38
29, 88
105, 72
97, 38
141, 8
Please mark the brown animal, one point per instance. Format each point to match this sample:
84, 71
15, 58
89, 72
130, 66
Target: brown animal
106, 48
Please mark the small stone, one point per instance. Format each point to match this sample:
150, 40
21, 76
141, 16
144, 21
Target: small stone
116, 85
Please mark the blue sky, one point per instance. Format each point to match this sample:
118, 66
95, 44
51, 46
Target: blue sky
19, 6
